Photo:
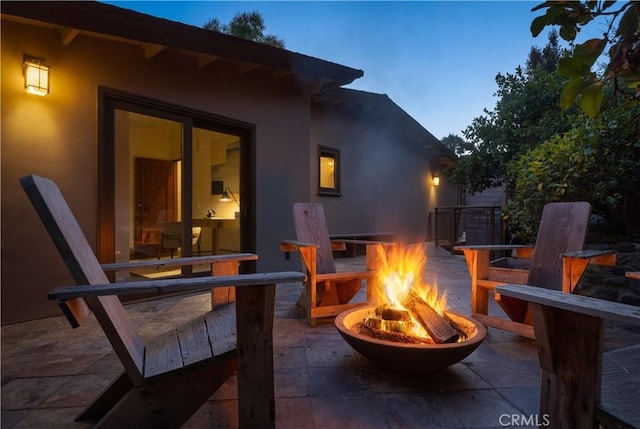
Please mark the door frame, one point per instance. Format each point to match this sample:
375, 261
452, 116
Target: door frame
109, 100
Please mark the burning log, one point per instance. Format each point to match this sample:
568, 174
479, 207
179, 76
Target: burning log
375, 329
390, 313
386, 325
438, 328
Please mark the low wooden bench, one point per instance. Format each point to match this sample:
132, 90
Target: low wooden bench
576, 389
353, 241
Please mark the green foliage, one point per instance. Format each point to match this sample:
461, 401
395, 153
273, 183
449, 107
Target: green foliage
539, 181
526, 113
622, 36
247, 25
598, 162
539, 143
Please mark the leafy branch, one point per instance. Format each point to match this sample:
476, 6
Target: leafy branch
622, 37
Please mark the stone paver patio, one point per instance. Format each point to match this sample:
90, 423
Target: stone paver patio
50, 372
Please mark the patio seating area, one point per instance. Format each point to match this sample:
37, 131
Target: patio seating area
50, 372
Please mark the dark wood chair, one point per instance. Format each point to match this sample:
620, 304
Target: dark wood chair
327, 292
166, 379
556, 262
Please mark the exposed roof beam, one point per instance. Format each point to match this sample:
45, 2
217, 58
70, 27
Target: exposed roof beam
280, 73
204, 59
246, 67
151, 50
67, 34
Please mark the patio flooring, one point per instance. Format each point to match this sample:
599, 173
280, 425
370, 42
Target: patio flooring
50, 372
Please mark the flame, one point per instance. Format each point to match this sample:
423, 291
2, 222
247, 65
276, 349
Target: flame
399, 271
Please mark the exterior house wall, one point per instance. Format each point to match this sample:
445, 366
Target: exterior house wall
385, 174
56, 136
387, 159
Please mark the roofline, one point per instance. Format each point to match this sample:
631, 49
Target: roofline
113, 21
340, 93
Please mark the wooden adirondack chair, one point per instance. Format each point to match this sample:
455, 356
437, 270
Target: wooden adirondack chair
167, 379
557, 262
580, 385
327, 293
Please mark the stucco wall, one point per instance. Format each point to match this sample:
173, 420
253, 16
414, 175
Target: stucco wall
385, 176
56, 136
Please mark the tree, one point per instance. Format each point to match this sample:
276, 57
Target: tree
622, 37
544, 155
247, 25
525, 115
457, 144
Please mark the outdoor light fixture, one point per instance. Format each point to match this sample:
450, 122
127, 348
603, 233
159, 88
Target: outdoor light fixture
436, 180
36, 76
225, 196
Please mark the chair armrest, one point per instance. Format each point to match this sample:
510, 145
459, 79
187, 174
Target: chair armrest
576, 303
292, 245
493, 247
151, 263
517, 250
308, 252
633, 275
347, 275
597, 257
173, 285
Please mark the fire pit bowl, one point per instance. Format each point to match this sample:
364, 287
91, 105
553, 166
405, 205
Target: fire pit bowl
408, 357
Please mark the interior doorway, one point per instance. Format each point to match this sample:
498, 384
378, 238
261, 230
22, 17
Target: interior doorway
156, 201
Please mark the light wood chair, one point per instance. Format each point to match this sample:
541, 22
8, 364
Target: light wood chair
168, 378
327, 292
556, 262
580, 385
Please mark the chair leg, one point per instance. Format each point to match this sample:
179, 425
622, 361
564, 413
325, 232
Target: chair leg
170, 400
107, 399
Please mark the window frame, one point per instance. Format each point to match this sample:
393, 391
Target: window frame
329, 152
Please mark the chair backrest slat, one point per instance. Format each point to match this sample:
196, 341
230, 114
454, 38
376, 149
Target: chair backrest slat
81, 262
563, 229
311, 227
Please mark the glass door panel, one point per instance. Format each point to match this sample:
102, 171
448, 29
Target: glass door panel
216, 195
148, 172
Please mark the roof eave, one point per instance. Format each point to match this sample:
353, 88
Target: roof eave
115, 22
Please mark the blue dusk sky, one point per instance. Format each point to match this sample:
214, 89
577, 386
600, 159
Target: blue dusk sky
437, 60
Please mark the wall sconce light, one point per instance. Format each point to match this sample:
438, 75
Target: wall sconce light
436, 180
225, 196
36, 76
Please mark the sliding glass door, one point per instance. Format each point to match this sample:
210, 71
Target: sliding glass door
172, 185
216, 191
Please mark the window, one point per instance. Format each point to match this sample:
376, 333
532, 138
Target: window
328, 171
